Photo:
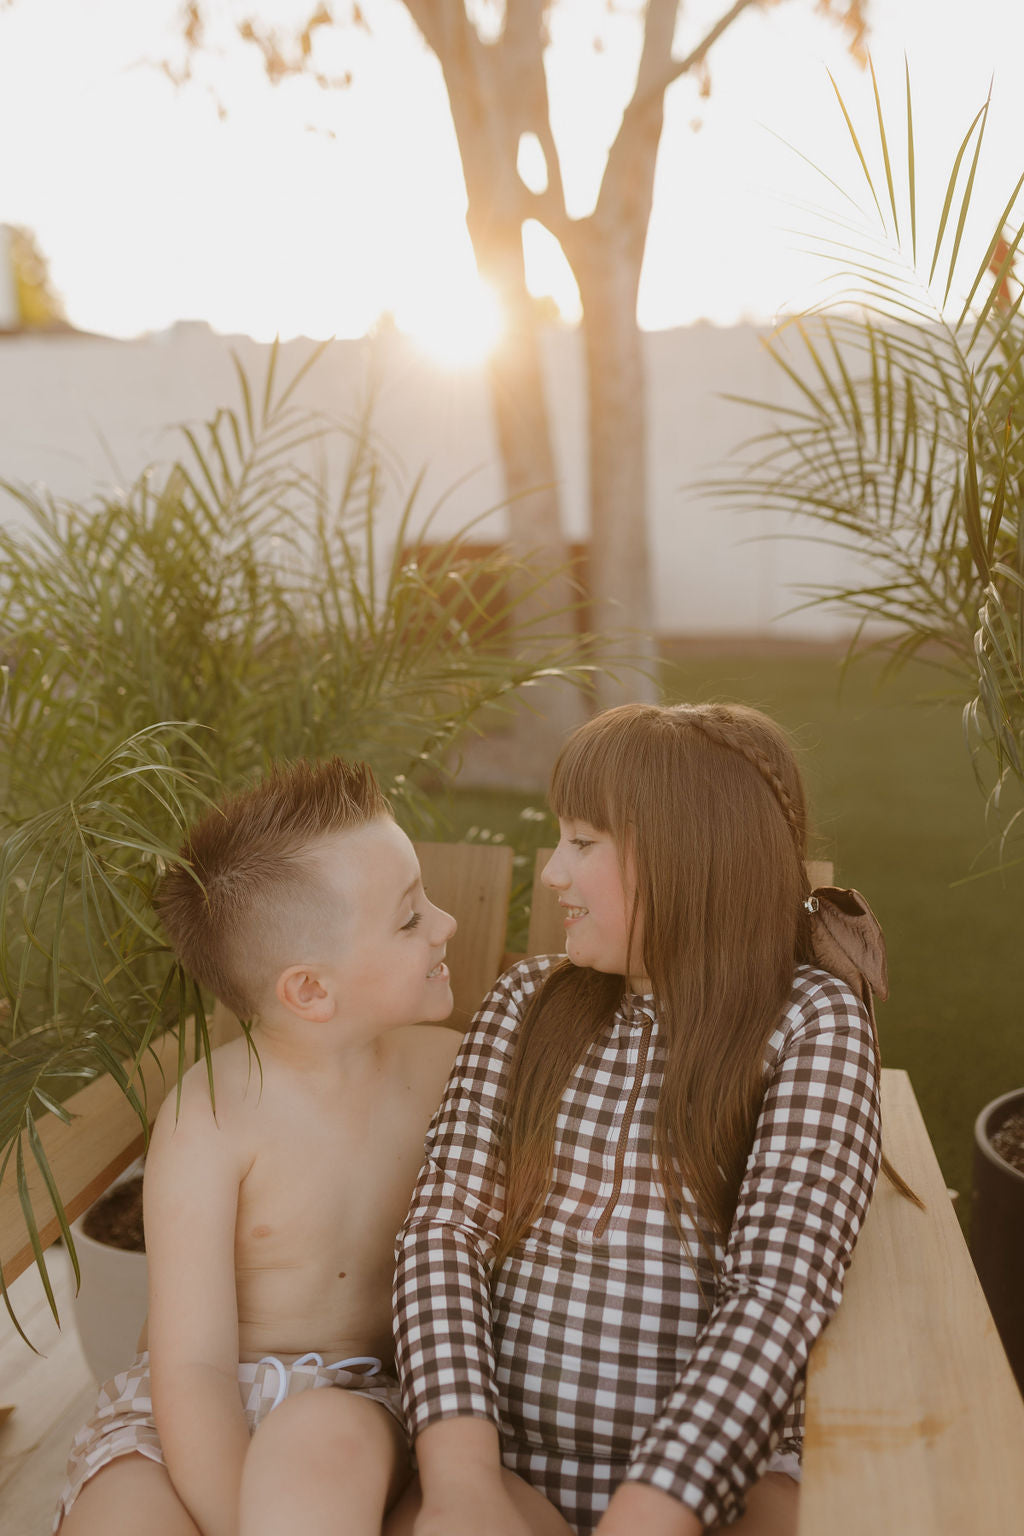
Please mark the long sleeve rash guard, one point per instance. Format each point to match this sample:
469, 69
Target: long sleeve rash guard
604, 1348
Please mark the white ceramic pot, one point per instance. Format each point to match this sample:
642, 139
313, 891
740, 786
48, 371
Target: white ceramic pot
110, 1307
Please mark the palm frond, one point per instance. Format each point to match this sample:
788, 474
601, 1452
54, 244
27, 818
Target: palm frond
162, 645
900, 431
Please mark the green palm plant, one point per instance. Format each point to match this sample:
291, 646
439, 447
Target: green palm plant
903, 436
995, 716
163, 645
904, 444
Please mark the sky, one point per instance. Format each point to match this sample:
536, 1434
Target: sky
310, 212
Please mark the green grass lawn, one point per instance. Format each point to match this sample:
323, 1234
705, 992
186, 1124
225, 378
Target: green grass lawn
896, 806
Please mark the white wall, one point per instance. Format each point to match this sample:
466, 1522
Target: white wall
80, 413
8, 288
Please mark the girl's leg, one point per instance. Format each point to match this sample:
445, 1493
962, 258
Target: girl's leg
322, 1462
129, 1495
541, 1516
772, 1506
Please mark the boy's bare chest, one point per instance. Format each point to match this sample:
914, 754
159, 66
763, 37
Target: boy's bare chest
328, 1186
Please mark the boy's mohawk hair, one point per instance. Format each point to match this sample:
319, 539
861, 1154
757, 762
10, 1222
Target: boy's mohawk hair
242, 860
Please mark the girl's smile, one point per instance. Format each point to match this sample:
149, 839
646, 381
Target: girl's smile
586, 875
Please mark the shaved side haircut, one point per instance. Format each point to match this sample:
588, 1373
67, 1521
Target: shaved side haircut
247, 871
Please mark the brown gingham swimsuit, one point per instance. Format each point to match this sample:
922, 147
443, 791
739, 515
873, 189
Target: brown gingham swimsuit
591, 1347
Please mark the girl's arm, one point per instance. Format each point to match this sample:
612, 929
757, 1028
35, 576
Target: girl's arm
459, 1463
806, 1190
191, 1198
443, 1338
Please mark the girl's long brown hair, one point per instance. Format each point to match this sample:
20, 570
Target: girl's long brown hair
706, 804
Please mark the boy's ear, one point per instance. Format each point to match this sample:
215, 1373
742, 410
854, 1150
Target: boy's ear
303, 992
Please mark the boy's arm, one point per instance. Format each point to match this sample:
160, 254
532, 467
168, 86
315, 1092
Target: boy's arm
193, 1171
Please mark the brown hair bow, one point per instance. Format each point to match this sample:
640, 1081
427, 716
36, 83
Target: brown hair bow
847, 941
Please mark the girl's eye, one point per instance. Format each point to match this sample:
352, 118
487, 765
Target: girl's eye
413, 922
582, 842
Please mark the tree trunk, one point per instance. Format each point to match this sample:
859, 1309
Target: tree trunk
616, 384
515, 373
523, 757
606, 253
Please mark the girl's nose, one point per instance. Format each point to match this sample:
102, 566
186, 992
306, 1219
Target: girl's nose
552, 876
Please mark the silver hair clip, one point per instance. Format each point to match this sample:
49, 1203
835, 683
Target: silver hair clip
811, 904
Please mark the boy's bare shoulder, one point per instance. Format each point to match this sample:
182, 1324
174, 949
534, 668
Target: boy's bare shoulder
232, 1070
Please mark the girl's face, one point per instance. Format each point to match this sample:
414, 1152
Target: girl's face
585, 874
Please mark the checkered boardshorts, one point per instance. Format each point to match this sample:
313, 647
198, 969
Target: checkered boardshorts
123, 1422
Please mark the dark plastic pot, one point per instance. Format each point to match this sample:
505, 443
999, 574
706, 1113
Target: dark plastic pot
997, 1228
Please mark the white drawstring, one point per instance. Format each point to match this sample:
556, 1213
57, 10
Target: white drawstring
312, 1358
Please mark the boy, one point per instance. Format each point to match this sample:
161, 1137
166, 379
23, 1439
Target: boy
270, 1221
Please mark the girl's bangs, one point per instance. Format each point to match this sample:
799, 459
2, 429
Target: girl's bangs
583, 781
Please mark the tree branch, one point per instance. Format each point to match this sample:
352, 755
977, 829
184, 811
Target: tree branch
524, 35
634, 150
646, 89
548, 208
445, 27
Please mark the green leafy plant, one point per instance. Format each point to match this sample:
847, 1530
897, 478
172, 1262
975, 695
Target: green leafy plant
163, 645
903, 435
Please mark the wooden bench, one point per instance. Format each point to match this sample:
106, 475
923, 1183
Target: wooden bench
915, 1426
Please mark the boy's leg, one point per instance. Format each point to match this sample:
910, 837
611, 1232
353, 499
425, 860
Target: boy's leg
129, 1495
772, 1508
540, 1516
323, 1461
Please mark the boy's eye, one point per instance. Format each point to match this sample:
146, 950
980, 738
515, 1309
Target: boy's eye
413, 922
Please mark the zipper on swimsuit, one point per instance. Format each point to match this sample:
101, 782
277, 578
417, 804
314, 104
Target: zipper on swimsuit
627, 1121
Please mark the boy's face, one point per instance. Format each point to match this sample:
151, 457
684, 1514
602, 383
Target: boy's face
388, 945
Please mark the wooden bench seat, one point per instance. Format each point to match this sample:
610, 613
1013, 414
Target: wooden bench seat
915, 1426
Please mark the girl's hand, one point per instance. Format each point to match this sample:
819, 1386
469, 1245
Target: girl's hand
462, 1482
463, 1489
467, 1492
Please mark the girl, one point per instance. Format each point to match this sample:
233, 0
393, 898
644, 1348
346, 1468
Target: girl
648, 1173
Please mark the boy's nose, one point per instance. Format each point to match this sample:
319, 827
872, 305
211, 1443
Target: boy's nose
447, 925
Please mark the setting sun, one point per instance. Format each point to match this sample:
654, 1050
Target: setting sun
455, 327
299, 211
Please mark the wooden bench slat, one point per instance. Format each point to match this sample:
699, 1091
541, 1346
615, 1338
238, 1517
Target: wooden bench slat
914, 1421
473, 882
85, 1156
547, 922
819, 872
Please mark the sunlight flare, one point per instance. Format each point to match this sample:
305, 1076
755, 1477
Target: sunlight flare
456, 328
